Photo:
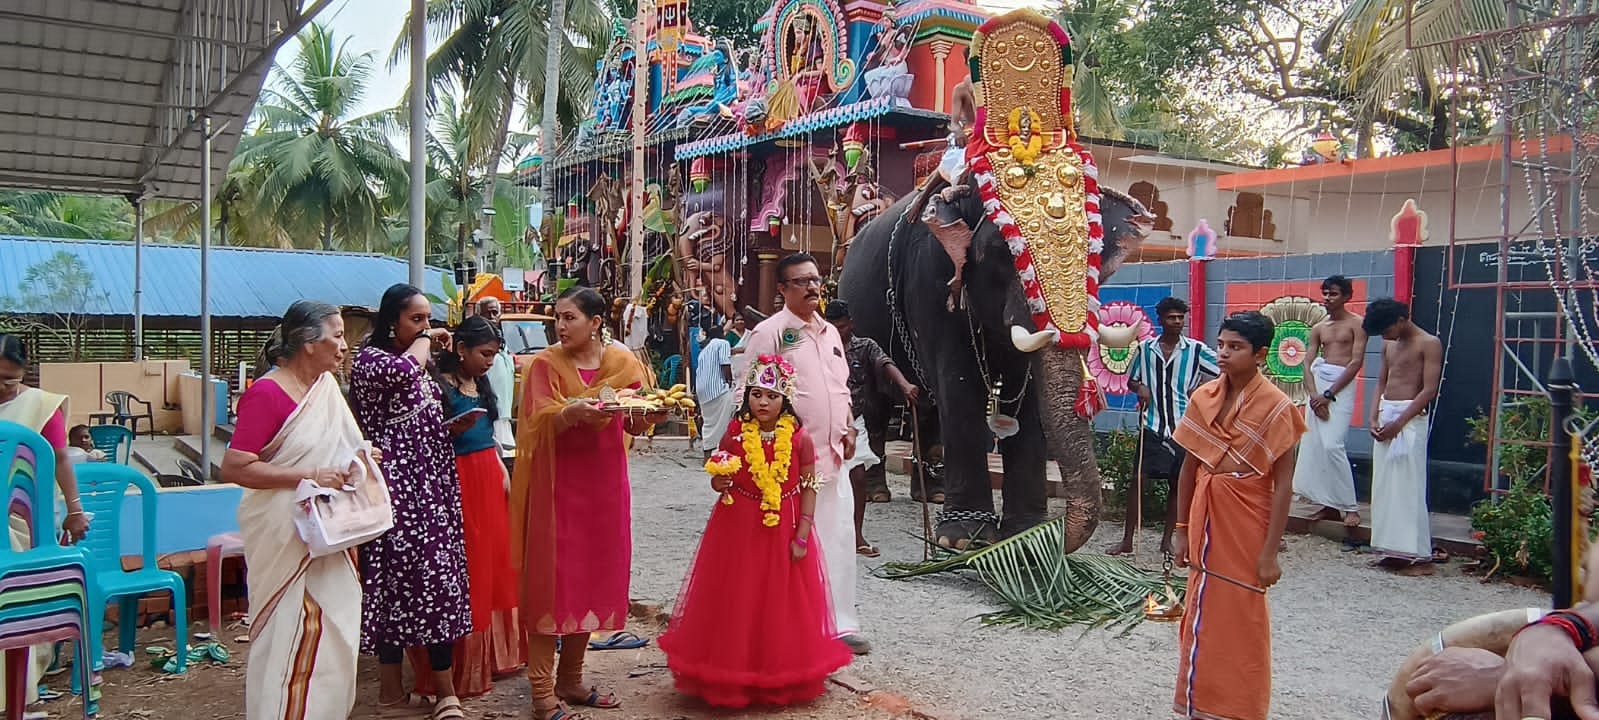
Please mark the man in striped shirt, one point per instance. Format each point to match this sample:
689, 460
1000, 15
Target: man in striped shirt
1166, 369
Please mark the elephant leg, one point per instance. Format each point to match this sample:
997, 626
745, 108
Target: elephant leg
1024, 456
968, 515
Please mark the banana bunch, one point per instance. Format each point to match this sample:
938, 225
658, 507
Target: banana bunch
672, 398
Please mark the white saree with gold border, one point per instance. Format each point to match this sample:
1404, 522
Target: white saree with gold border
305, 613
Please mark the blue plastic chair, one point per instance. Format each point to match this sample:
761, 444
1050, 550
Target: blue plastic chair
113, 440
669, 368
43, 588
101, 487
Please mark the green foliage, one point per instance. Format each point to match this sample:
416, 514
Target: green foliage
1117, 456
323, 170
60, 287
1045, 588
46, 214
1520, 421
1517, 530
731, 19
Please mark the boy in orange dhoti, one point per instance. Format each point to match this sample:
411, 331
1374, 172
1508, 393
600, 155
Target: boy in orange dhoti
1233, 492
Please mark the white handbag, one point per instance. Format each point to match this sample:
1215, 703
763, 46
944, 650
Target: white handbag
333, 520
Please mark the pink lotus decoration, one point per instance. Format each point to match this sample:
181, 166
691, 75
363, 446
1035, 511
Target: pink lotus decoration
1122, 325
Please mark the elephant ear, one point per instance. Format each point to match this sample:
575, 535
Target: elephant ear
1127, 224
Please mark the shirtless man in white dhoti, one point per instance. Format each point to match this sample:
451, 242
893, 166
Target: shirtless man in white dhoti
1322, 473
1412, 366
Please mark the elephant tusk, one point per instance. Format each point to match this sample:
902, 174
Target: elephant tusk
1030, 342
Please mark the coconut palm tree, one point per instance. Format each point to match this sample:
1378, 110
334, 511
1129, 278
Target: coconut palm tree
323, 172
496, 52
47, 214
1396, 53
1093, 25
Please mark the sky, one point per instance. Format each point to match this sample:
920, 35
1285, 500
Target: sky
373, 25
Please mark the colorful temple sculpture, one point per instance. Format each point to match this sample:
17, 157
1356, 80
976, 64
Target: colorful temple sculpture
750, 153
828, 117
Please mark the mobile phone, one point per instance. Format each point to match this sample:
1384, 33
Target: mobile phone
470, 413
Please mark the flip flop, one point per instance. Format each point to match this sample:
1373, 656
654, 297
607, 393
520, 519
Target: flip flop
449, 708
1440, 555
867, 551
619, 641
596, 700
411, 706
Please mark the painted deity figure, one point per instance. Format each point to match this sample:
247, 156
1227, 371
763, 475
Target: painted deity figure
803, 75
703, 247
889, 67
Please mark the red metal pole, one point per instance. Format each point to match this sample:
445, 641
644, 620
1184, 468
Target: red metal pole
1405, 273
1196, 298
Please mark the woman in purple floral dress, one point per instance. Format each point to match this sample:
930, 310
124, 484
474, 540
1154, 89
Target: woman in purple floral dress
414, 576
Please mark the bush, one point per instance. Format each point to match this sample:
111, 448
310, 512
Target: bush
1518, 530
1117, 457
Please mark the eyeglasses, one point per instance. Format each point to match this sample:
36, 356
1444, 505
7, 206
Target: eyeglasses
812, 281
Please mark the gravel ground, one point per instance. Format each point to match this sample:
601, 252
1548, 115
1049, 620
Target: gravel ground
1340, 628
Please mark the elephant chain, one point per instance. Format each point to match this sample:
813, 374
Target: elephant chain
978, 516
982, 359
900, 331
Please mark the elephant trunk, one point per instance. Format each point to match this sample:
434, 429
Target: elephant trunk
1070, 441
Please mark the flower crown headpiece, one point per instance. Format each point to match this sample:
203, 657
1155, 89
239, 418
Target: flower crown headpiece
770, 372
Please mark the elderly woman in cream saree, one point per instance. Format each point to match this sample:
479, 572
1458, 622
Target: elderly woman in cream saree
305, 612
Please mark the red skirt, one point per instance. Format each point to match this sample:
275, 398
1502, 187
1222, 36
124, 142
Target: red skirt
752, 626
495, 646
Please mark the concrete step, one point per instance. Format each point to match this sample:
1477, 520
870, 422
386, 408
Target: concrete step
188, 447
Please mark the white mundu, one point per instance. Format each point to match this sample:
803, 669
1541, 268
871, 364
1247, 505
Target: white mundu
1400, 527
835, 530
1322, 473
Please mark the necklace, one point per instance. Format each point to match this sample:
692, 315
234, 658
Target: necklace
769, 476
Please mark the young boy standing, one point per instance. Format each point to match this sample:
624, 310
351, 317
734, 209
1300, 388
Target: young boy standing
1233, 495
1338, 344
1412, 368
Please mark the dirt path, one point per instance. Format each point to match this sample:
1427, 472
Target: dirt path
1340, 629
638, 677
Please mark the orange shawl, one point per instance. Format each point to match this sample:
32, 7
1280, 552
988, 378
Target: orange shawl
547, 383
1261, 427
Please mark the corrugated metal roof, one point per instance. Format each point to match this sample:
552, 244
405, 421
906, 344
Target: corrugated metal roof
105, 96
245, 282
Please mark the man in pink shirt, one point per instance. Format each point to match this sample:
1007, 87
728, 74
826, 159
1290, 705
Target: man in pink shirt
813, 347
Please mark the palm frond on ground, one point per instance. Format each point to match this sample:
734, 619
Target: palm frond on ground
1045, 588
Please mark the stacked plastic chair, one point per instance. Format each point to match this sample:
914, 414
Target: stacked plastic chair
102, 486
44, 589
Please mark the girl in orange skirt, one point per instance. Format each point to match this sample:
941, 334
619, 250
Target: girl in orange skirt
495, 645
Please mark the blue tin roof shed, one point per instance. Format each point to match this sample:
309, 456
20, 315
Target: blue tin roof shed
245, 282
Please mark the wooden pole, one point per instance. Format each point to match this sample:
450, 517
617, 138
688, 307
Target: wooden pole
641, 91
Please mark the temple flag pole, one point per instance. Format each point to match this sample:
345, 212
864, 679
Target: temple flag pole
641, 90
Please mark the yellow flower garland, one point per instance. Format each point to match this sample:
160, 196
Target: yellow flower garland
1025, 154
769, 476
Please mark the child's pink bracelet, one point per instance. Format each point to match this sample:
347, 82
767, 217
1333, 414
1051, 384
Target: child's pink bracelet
802, 542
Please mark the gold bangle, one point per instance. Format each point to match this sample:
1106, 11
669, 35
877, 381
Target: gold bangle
811, 481
1179, 526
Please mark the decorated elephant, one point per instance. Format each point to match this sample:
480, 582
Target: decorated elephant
991, 305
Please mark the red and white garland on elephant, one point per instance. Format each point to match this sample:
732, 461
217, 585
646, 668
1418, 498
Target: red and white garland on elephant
1023, 257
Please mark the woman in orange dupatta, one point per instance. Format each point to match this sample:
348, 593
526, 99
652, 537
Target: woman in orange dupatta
1234, 490
571, 514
